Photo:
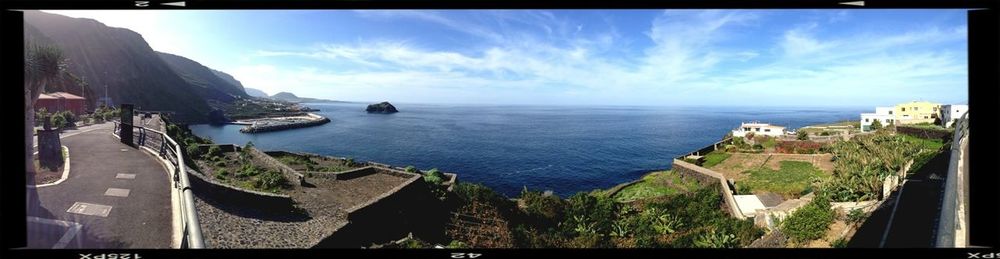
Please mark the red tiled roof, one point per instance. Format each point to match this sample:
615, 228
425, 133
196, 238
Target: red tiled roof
59, 95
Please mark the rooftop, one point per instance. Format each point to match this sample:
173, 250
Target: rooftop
60, 95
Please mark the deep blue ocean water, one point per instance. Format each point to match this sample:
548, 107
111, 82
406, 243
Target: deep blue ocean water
565, 149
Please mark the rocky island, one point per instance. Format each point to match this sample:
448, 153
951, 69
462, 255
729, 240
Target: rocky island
382, 107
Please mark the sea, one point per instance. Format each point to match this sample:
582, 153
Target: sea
564, 149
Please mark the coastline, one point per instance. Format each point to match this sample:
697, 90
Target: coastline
280, 123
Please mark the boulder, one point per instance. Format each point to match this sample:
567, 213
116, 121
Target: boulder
382, 107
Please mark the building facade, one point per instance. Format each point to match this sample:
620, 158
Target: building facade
61, 101
916, 112
884, 115
952, 112
758, 129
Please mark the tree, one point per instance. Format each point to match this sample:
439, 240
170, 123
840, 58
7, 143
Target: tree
876, 125
43, 65
802, 135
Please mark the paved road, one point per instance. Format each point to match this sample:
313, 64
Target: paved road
914, 223
140, 220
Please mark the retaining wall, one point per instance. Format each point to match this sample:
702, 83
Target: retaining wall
925, 133
289, 173
230, 195
705, 175
408, 208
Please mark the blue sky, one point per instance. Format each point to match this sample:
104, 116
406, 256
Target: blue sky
576, 57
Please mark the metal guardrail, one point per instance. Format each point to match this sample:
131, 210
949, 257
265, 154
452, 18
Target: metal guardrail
952, 229
169, 150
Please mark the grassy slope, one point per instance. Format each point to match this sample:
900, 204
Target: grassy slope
714, 158
656, 184
793, 178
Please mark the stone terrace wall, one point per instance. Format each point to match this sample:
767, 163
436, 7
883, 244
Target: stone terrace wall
925, 133
705, 175
408, 208
213, 191
708, 149
289, 173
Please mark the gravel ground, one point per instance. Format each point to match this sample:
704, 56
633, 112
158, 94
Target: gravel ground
222, 229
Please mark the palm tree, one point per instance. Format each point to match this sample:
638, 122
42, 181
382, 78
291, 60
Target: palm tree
43, 65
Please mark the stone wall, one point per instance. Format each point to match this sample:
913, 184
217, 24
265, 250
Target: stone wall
289, 173
203, 148
925, 133
708, 149
614, 190
705, 175
407, 208
210, 190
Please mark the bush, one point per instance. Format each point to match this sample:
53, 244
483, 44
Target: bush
192, 150
269, 180
802, 135
220, 163
855, 216
411, 169
221, 174
839, 243
457, 244
214, 151
58, 121
547, 210
809, 222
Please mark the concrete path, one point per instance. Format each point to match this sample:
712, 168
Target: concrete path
912, 223
106, 177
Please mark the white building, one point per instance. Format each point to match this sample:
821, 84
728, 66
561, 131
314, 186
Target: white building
882, 114
952, 112
758, 129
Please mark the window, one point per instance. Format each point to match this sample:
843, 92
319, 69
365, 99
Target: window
757, 129
925, 117
903, 109
915, 108
866, 120
767, 130
746, 129
890, 112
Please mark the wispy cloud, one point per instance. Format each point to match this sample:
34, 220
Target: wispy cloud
690, 52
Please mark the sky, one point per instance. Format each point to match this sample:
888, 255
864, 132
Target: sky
575, 57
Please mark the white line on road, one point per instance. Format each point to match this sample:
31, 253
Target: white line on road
73, 229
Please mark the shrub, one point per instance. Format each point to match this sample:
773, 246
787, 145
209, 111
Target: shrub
809, 222
713, 239
855, 216
839, 243
758, 146
547, 209
58, 120
220, 163
411, 169
349, 162
270, 179
214, 151
457, 244
193, 150
802, 135
221, 173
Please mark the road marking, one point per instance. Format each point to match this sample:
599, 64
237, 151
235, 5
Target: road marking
125, 176
899, 198
72, 229
90, 209
117, 192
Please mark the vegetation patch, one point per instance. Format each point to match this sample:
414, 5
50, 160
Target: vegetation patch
656, 184
793, 179
714, 158
861, 165
809, 222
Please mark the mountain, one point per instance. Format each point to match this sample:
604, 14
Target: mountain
229, 78
290, 97
206, 80
120, 60
255, 93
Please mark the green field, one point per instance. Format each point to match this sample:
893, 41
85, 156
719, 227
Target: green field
714, 158
656, 184
794, 178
